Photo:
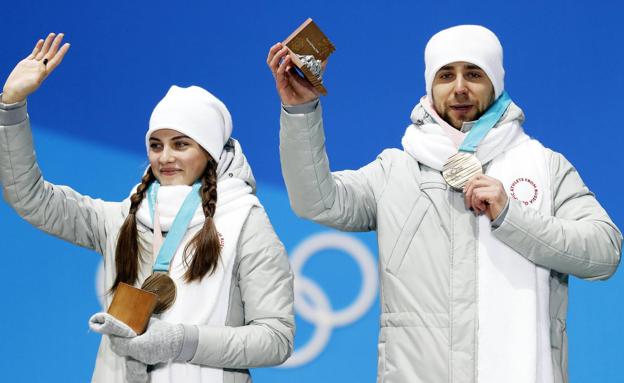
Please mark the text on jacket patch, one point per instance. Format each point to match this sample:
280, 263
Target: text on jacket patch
524, 190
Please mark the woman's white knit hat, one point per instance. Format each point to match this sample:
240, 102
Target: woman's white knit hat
470, 43
196, 113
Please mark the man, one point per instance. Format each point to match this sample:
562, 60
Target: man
473, 266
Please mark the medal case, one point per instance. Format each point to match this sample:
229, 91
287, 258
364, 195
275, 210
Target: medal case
309, 40
133, 306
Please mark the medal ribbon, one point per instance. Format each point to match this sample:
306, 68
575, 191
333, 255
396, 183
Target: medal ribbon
485, 124
179, 226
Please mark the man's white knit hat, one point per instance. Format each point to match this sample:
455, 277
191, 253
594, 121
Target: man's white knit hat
196, 113
470, 43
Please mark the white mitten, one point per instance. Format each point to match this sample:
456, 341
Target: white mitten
161, 342
106, 324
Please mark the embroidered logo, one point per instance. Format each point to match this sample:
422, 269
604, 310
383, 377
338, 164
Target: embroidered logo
524, 190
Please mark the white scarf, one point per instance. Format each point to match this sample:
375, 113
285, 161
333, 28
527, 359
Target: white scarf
202, 302
513, 294
432, 143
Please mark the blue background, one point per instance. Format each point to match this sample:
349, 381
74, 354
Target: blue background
564, 68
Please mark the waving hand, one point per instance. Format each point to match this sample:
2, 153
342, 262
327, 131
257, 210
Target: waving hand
30, 73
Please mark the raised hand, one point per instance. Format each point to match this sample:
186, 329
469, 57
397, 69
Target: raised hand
292, 88
29, 73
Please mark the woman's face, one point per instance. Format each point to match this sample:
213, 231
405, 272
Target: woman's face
175, 158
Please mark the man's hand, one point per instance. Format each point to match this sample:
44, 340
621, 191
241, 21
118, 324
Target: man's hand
292, 88
485, 194
29, 73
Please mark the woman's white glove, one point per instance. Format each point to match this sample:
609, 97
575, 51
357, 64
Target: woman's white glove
161, 342
106, 324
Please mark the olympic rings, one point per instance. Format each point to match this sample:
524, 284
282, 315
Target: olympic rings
320, 312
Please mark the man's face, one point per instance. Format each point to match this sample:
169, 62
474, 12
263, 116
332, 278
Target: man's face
461, 92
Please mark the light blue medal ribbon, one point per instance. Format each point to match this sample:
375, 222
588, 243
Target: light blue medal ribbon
484, 124
462, 166
178, 228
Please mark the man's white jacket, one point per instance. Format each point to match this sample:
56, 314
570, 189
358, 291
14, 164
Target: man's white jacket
428, 247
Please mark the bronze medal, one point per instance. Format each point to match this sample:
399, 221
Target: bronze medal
164, 287
459, 168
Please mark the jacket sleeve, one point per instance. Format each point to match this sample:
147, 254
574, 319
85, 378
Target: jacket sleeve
266, 286
344, 200
57, 210
579, 239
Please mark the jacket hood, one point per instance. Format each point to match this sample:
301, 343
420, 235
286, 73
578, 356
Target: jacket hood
233, 163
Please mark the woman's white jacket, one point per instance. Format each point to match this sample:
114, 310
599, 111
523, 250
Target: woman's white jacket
259, 328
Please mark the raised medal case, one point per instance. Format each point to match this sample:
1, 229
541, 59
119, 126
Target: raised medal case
308, 39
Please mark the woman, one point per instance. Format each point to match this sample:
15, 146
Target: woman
234, 304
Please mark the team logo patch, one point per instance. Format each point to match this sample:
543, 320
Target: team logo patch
524, 190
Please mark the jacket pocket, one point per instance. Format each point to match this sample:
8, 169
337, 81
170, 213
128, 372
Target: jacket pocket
409, 229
